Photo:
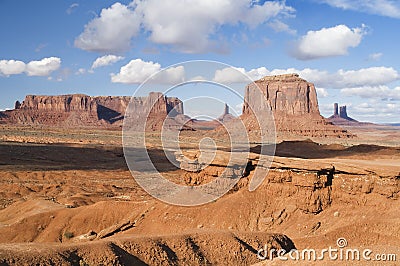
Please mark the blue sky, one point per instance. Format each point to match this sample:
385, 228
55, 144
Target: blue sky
349, 49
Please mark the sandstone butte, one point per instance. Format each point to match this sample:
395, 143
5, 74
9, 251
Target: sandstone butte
294, 105
292, 101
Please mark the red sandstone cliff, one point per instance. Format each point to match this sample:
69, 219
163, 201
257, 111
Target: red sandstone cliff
294, 105
287, 95
86, 111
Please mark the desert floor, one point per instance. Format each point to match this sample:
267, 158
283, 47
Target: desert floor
67, 197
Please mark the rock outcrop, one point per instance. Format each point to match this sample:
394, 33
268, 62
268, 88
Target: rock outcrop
335, 109
286, 95
17, 105
86, 111
340, 116
226, 115
341, 112
294, 105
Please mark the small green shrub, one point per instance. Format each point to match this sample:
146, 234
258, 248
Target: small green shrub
68, 235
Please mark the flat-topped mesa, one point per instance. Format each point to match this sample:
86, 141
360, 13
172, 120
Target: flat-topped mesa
83, 110
285, 94
283, 78
59, 103
294, 105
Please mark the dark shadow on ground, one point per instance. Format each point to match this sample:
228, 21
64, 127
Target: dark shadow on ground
97, 157
310, 150
126, 258
37, 157
60, 157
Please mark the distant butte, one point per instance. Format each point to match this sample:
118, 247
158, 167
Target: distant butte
294, 105
340, 117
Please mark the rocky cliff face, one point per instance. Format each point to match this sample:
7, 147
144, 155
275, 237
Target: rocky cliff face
61, 103
83, 110
343, 112
159, 104
294, 105
286, 95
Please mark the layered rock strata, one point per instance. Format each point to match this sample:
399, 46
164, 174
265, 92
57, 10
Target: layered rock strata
293, 104
83, 110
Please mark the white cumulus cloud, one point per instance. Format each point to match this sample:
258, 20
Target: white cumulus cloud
138, 71
189, 26
327, 42
367, 76
230, 75
202, 19
321, 78
106, 60
375, 56
198, 78
373, 76
388, 8
239, 75
373, 92
322, 92
112, 31
43, 67
344, 78
377, 111
279, 26
11, 67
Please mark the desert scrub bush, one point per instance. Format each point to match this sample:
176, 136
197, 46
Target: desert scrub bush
68, 235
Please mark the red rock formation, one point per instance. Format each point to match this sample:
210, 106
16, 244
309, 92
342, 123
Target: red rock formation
294, 105
341, 118
61, 103
335, 109
17, 105
86, 111
343, 112
226, 116
286, 95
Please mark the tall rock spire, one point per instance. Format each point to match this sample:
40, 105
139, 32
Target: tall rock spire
335, 109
